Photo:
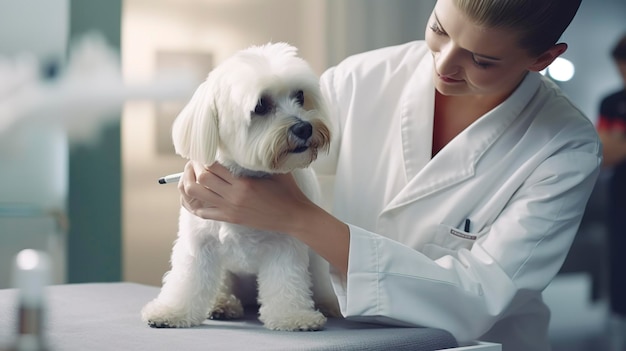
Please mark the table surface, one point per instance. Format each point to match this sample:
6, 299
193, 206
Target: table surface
106, 316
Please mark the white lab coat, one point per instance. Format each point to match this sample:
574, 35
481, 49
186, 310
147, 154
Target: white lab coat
521, 174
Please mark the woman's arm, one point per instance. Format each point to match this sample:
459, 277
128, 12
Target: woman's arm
468, 290
275, 204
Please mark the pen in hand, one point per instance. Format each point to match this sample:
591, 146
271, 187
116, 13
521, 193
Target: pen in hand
170, 178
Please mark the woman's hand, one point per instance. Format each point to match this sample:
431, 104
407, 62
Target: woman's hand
263, 203
275, 203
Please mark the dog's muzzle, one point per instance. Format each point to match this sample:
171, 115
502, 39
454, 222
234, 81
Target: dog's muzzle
303, 131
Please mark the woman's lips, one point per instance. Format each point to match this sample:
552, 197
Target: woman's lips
447, 79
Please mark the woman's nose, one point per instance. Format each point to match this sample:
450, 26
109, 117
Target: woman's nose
447, 60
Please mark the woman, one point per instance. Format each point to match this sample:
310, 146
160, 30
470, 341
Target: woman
461, 176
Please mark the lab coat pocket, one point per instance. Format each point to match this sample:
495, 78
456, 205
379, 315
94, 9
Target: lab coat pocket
448, 240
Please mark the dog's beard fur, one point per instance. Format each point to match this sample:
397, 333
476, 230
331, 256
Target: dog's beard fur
281, 150
268, 145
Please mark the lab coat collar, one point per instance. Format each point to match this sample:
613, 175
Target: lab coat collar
456, 161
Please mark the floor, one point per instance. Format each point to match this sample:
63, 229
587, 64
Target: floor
578, 323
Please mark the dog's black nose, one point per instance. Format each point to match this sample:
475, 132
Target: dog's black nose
302, 130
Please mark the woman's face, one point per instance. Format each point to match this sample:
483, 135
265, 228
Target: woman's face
473, 60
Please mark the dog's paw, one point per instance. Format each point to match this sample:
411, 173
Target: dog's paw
226, 307
159, 315
303, 320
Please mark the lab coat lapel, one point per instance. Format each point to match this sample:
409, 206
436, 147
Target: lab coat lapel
418, 104
456, 161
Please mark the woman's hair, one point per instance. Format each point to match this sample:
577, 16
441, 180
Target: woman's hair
539, 22
619, 51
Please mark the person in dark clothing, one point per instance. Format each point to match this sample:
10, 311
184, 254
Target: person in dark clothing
612, 131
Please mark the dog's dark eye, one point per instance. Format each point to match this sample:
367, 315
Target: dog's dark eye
299, 96
263, 106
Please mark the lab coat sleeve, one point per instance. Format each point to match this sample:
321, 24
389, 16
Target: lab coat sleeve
468, 291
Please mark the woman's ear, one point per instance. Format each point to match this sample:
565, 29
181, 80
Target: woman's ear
544, 60
195, 131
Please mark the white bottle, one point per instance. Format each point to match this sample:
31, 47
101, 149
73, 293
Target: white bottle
31, 275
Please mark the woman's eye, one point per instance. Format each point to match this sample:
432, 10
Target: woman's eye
481, 64
263, 106
436, 29
299, 96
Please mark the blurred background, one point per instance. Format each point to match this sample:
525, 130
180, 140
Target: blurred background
94, 202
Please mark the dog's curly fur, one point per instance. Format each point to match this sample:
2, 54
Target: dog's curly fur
259, 112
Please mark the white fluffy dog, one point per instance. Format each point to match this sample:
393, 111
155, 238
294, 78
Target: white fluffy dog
259, 112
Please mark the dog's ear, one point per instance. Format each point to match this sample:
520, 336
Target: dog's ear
195, 131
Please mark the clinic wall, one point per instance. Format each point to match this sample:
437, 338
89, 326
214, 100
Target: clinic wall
360, 25
592, 34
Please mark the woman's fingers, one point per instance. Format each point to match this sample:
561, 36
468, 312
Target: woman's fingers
221, 172
188, 178
216, 178
195, 197
214, 193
